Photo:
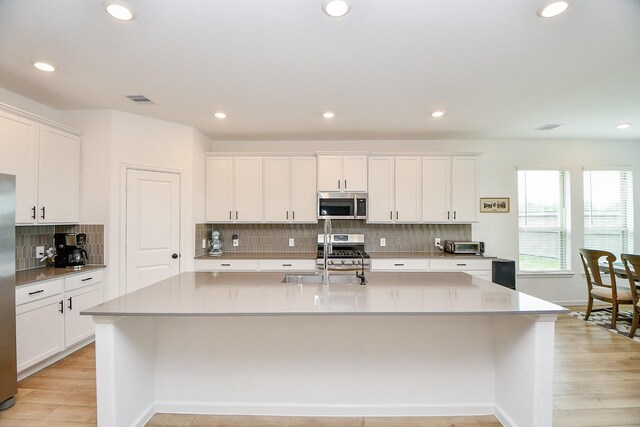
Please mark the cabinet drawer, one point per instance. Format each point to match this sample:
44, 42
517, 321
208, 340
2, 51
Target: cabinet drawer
37, 291
400, 264
83, 279
460, 264
287, 265
226, 265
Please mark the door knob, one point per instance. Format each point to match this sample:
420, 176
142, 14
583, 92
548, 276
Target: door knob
174, 256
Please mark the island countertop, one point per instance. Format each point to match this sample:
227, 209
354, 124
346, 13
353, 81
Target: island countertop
251, 294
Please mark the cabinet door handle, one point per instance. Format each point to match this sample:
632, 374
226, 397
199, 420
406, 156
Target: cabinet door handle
61, 310
345, 184
454, 214
391, 215
43, 212
294, 215
338, 184
287, 214
286, 265
229, 214
448, 215
36, 292
226, 265
33, 212
396, 215
399, 265
88, 278
461, 265
236, 214
70, 306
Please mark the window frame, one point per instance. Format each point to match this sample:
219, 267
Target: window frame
565, 227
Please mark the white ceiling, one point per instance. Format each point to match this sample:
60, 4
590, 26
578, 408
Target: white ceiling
274, 66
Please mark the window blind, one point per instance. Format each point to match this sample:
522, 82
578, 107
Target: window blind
544, 215
608, 210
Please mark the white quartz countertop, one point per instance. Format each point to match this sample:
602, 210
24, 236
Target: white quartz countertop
245, 294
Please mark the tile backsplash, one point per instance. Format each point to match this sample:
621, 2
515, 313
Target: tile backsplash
275, 237
30, 236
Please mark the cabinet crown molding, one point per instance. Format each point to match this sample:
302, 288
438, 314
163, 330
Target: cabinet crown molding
27, 115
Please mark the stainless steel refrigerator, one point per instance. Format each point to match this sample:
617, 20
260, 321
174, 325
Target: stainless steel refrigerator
8, 371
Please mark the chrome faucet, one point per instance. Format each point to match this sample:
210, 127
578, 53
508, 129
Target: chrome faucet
328, 247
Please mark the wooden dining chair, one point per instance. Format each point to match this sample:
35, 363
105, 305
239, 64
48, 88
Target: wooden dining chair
633, 275
597, 288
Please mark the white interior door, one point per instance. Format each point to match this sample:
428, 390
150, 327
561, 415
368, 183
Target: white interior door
153, 227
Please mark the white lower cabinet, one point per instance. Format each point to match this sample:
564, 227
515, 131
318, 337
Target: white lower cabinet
400, 264
295, 265
77, 327
48, 317
475, 267
40, 327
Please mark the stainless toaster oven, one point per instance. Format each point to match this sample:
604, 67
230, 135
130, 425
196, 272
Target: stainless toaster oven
473, 248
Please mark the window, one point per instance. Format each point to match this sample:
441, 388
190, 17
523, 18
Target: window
544, 218
608, 210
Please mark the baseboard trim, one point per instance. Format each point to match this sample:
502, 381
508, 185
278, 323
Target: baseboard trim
221, 408
145, 416
504, 419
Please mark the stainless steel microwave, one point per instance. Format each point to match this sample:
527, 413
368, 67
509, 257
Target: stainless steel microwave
474, 248
342, 205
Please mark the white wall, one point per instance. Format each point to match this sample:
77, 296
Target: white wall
498, 165
113, 140
18, 101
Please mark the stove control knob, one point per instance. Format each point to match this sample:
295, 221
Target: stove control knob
342, 261
357, 261
330, 261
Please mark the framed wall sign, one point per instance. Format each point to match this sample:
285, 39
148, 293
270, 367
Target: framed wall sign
494, 204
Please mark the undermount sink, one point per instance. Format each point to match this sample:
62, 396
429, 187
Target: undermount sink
316, 279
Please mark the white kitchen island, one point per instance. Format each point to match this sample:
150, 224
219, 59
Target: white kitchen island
405, 344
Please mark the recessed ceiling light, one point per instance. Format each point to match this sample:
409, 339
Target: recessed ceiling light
328, 115
336, 8
437, 114
43, 66
220, 115
624, 125
551, 8
119, 10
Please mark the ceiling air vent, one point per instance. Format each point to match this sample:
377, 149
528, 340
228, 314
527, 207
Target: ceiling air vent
549, 126
140, 99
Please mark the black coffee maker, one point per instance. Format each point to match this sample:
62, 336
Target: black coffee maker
70, 252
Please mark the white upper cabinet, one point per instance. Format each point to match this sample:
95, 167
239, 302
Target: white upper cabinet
289, 189
248, 189
449, 192
58, 176
234, 189
277, 189
219, 187
394, 189
436, 189
46, 163
408, 188
19, 146
346, 173
464, 194
303, 185
381, 195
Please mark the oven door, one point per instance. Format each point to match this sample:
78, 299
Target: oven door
336, 206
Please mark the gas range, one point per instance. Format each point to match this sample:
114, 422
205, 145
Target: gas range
347, 252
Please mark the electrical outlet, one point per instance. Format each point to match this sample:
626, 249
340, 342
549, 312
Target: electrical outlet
437, 241
236, 240
383, 241
204, 243
39, 252
292, 242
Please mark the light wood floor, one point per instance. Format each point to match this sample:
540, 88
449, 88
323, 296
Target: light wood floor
597, 383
